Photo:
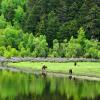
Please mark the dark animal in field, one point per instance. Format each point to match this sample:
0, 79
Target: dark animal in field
44, 72
70, 71
75, 63
44, 67
70, 74
43, 75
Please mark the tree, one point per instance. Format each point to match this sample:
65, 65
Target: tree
9, 14
41, 48
89, 18
3, 22
62, 11
31, 42
25, 52
67, 30
52, 28
41, 27
19, 14
81, 39
2, 50
92, 22
91, 49
32, 16
55, 51
48, 26
62, 49
7, 9
12, 36
81, 35
73, 49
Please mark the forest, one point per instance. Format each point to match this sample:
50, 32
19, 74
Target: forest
50, 28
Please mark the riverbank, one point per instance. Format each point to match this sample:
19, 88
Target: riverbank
51, 73
84, 67
81, 68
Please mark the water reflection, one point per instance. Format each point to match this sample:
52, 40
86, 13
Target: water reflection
16, 86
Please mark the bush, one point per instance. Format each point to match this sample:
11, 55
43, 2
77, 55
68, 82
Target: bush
33, 54
3, 22
25, 52
91, 49
99, 54
14, 52
41, 46
55, 50
7, 54
74, 49
2, 50
92, 53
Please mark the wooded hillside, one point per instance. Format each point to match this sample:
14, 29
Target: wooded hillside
54, 28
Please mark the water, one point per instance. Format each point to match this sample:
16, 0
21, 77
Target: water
20, 86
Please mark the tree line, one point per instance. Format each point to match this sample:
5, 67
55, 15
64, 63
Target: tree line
50, 28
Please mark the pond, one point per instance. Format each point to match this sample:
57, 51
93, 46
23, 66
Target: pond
21, 86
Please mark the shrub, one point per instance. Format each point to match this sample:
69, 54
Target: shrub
73, 49
14, 52
7, 54
2, 50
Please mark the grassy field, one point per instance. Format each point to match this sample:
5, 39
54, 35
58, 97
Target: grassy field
86, 68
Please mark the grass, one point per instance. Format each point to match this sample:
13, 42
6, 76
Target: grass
86, 68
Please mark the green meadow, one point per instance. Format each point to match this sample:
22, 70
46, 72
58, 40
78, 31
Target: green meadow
82, 68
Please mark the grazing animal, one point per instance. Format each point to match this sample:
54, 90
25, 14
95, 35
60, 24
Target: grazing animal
70, 71
44, 70
70, 74
75, 63
44, 67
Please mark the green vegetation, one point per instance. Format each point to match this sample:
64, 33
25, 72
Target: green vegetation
86, 68
50, 28
40, 88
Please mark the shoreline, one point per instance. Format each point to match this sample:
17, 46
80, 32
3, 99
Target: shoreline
51, 73
40, 59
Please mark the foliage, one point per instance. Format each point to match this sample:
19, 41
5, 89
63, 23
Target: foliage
81, 68
2, 50
50, 28
3, 22
73, 48
92, 50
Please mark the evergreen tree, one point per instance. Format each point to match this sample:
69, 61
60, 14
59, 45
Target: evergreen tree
51, 28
